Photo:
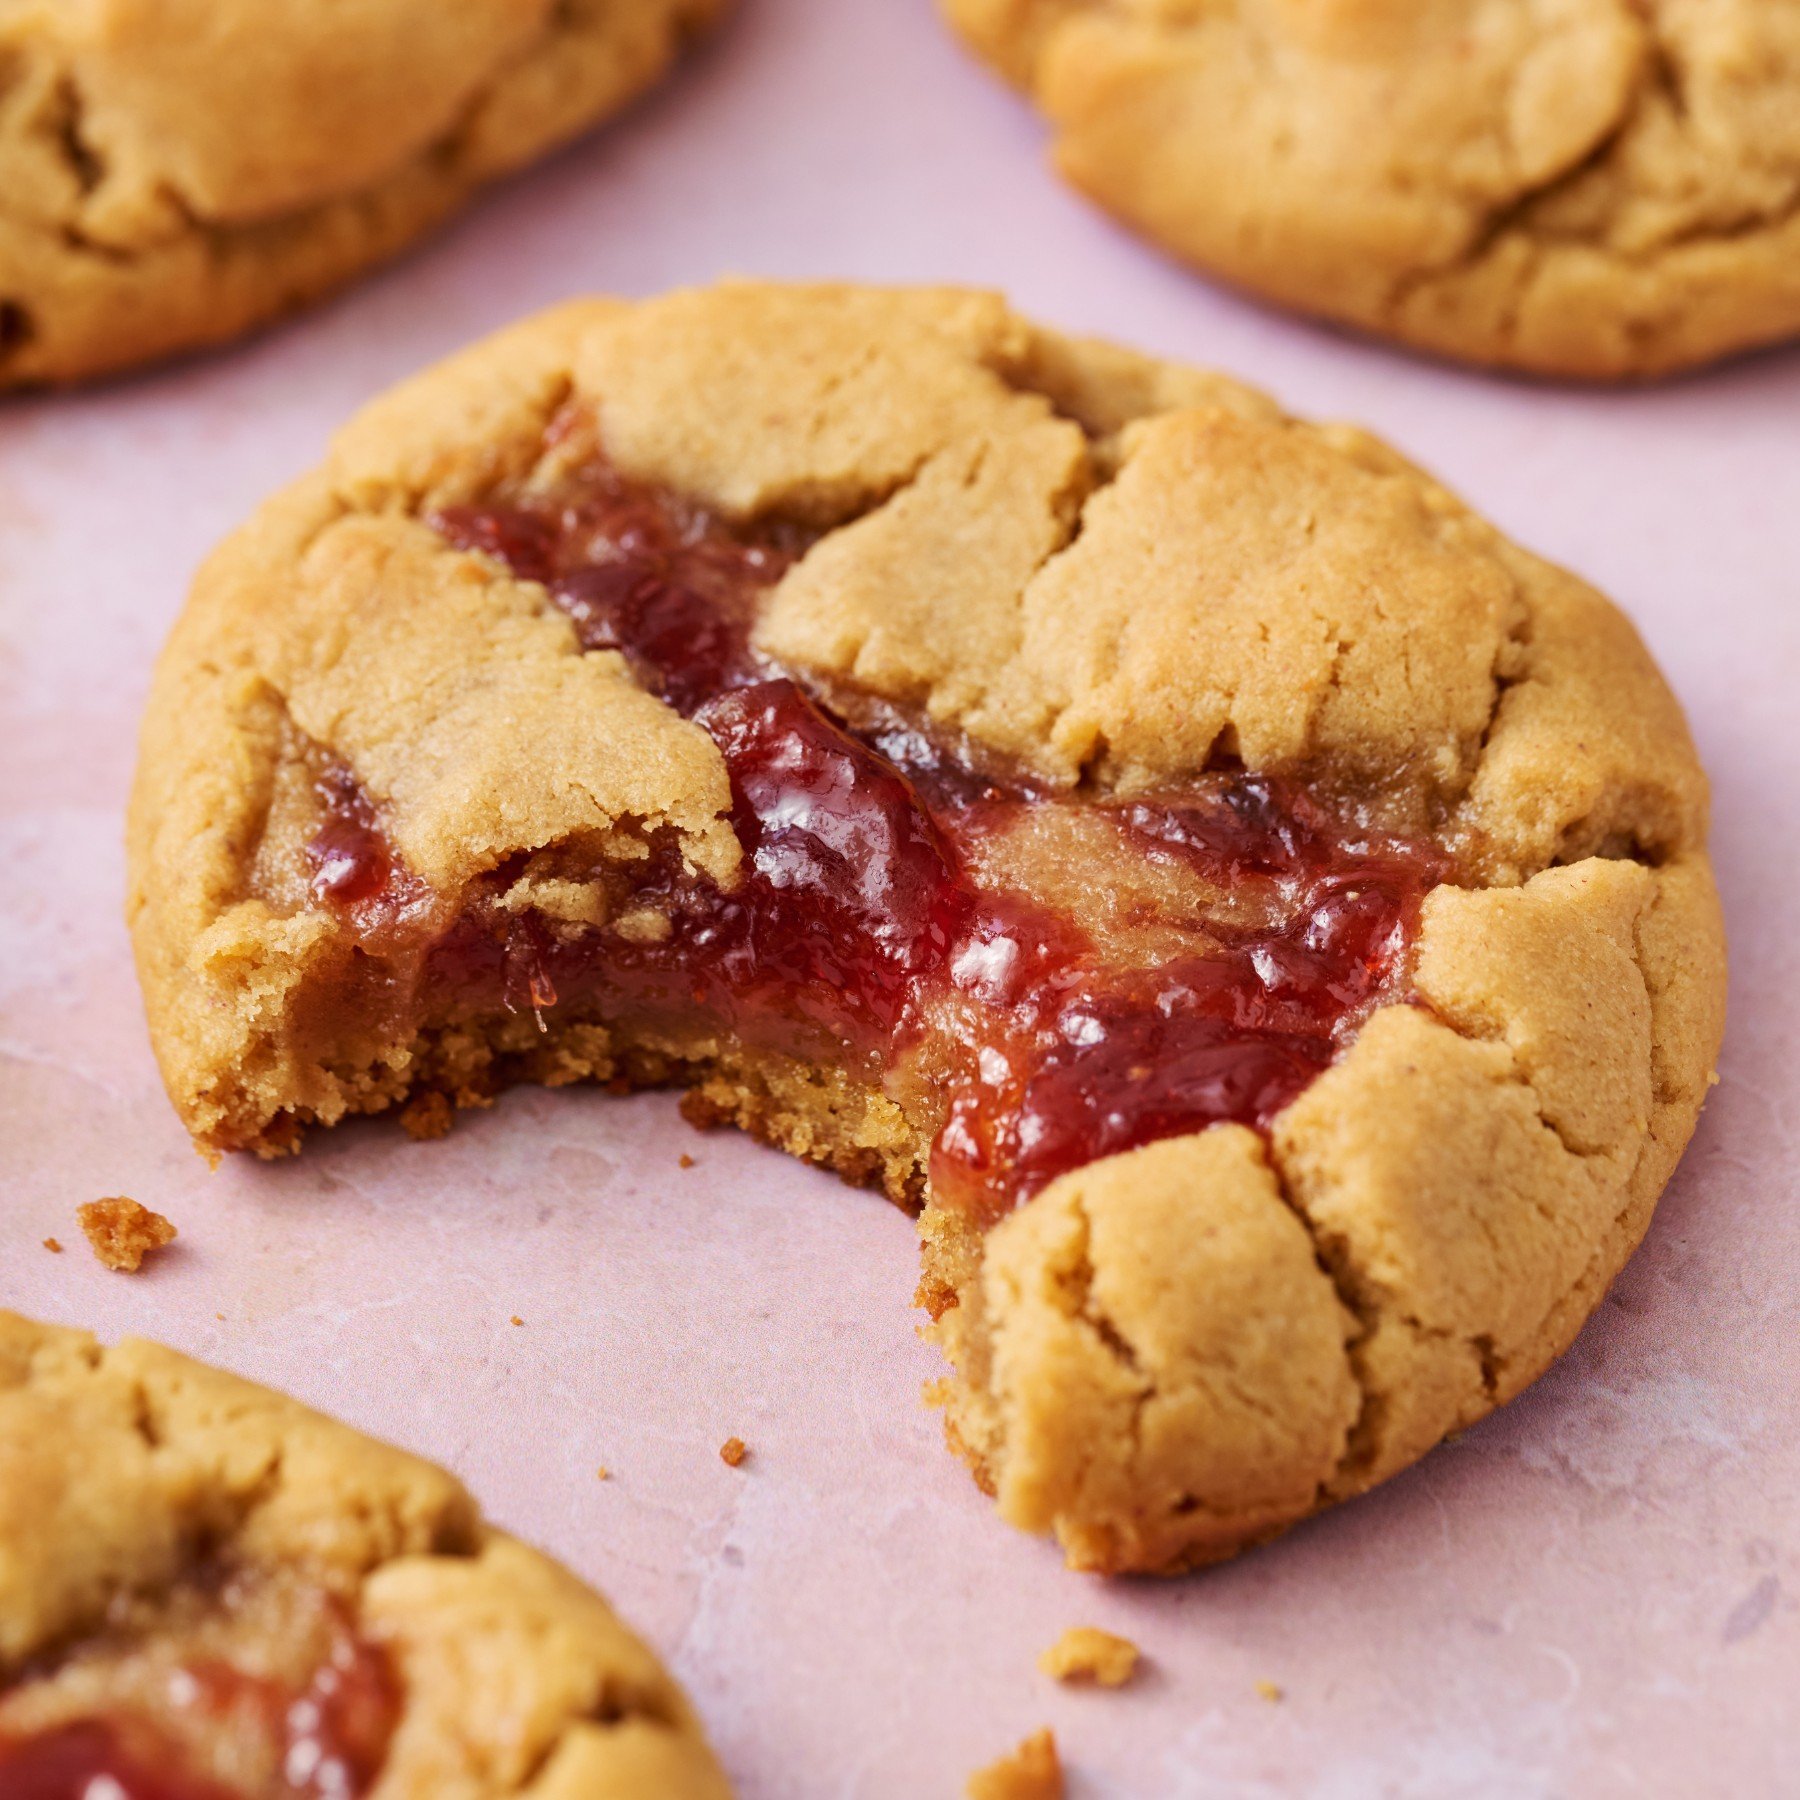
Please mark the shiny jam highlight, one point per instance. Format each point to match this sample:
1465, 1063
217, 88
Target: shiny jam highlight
328, 1739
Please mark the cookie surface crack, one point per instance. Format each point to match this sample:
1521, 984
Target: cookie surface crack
1499, 222
1354, 1295
83, 161
1080, 1288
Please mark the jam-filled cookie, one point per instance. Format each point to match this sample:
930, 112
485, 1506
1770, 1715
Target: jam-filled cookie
1604, 189
1257, 916
175, 172
209, 1592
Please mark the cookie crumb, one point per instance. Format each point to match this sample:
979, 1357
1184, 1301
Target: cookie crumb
604, 1473
1031, 1772
427, 1116
1086, 1653
53, 1246
122, 1232
1269, 1691
517, 1320
684, 1161
733, 1451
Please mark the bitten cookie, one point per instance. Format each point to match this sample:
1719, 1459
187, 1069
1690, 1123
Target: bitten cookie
209, 1592
1258, 916
175, 172
1604, 189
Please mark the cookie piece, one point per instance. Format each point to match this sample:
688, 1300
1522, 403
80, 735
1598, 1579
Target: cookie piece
208, 1590
179, 171
123, 1232
1255, 914
1604, 189
1086, 1653
1033, 1771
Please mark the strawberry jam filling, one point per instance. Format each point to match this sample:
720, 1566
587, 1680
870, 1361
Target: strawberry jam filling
324, 1737
1043, 979
111, 1759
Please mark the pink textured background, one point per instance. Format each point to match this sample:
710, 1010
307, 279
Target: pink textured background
1594, 1594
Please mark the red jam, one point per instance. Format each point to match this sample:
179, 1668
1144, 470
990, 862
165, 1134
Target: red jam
333, 1733
349, 856
859, 918
1075, 1059
330, 1738
338, 1730
98, 1759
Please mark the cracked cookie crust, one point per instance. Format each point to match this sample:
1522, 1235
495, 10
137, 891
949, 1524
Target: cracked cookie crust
209, 1592
176, 172
1257, 916
1599, 189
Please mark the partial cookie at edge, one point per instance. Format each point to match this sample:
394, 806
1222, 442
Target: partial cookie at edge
175, 175
517, 1677
1584, 188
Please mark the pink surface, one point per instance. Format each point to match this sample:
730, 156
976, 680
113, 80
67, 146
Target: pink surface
1593, 1594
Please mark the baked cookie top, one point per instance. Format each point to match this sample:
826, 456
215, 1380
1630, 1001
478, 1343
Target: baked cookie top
175, 171
1258, 912
1592, 188
208, 1590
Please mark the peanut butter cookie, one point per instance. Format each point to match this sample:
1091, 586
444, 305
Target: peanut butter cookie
1258, 917
1606, 189
175, 172
209, 1592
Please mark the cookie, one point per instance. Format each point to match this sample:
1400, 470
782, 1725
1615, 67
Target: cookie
1258, 917
122, 1231
1086, 1653
209, 1591
1033, 1771
1603, 189
177, 172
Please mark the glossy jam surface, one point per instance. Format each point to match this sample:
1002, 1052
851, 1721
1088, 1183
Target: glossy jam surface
875, 911
642, 572
99, 1759
322, 1738
1072, 1056
350, 858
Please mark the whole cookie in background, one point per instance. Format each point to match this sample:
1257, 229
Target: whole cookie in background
176, 172
1256, 915
209, 1592
1603, 189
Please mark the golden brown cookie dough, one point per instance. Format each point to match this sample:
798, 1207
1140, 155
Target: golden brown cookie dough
1605, 189
1112, 573
175, 172
243, 1589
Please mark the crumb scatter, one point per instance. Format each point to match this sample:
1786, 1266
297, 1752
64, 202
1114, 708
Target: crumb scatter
123, 1232
733, 1451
